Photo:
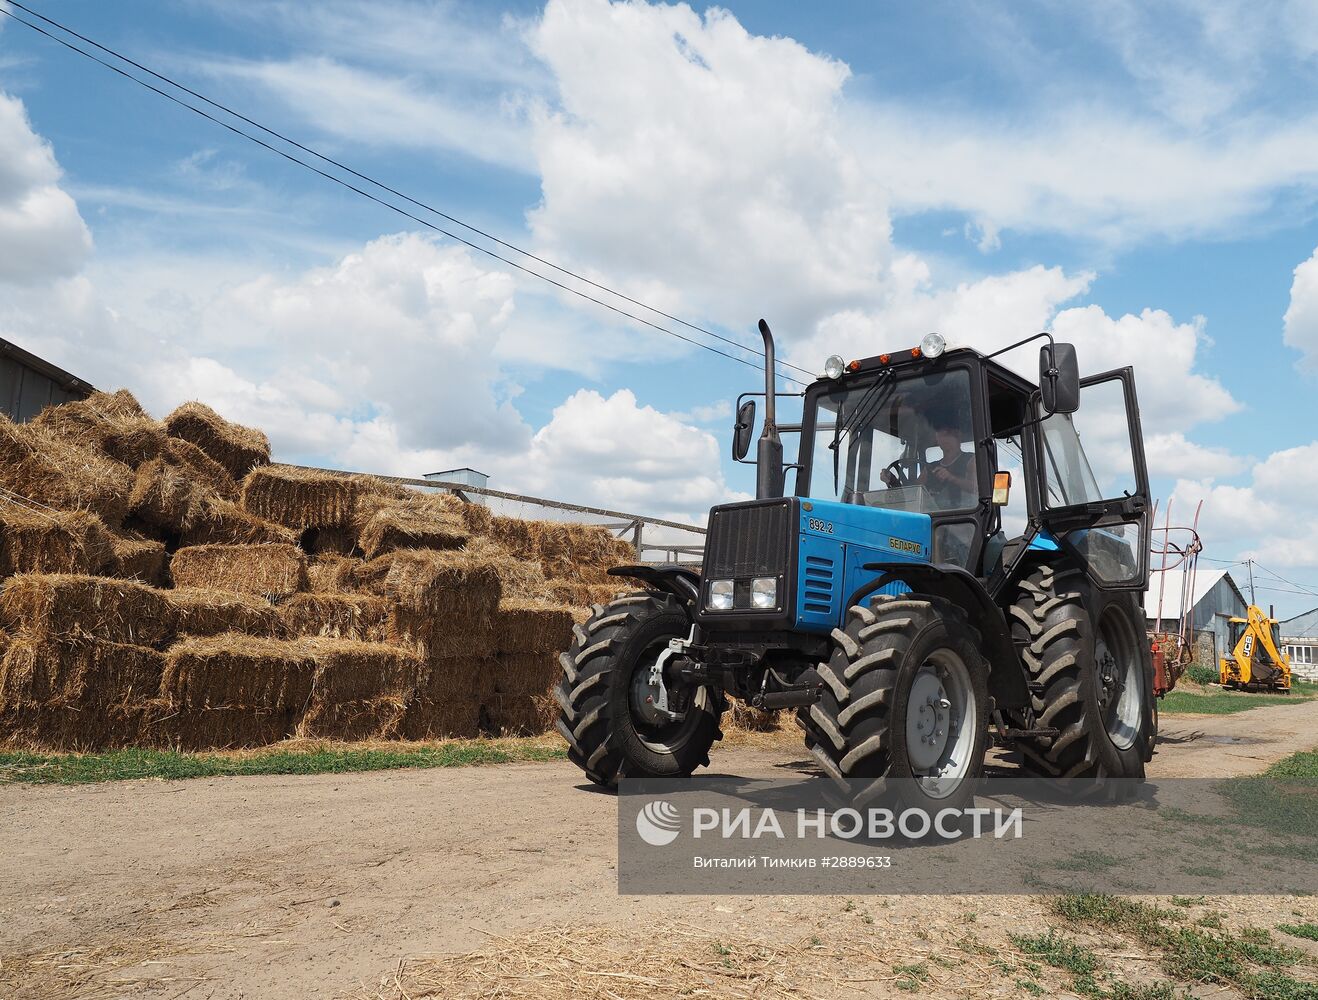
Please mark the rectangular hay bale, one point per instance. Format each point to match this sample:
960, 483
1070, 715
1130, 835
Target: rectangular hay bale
35, 540
238, 449
410, 524
527, 673
67, 606
331, 573
232, 691
137, 558
338, 616
84, 674
202, 613
113, 424
519, 714
270, 571
217, 521
449, 698
300, 498
39, 465
532, 626
361, 690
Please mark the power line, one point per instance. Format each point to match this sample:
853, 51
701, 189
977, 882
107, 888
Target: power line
1277, 576
379, 201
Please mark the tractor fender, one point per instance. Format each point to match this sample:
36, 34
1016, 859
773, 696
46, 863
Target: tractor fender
680, 581
1007, 681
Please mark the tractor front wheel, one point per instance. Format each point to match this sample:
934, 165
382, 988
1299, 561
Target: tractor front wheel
621, 714
904, 702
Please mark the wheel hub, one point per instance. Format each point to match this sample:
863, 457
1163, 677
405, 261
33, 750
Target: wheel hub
928, 720
649, 693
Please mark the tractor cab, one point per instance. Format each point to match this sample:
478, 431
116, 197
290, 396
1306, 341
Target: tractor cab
960, 549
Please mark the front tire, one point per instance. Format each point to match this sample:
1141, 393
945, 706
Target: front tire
903, 712
612, 730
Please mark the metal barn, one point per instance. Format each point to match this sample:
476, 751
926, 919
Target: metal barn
29, 384
1214, 601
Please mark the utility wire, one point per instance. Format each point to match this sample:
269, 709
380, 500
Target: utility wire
1277, 576
377, 184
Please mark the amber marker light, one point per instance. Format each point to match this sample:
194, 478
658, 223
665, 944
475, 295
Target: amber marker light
1001, 488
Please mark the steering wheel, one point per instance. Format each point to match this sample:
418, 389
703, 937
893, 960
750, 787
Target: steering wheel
896, 469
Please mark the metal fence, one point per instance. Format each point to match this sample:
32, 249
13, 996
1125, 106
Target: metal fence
655, 539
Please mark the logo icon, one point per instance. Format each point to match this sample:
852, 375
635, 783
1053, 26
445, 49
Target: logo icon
658, 823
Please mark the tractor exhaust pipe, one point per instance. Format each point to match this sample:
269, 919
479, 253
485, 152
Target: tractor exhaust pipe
769, 451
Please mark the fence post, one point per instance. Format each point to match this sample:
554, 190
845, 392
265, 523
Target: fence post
636, 538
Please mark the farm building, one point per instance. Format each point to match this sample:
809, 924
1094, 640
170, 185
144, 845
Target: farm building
28, 384
1215, 600
1299, 641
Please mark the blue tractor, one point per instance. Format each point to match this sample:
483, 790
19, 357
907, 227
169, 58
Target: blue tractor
952, 567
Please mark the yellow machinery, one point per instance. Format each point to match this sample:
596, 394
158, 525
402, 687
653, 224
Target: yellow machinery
1255, 663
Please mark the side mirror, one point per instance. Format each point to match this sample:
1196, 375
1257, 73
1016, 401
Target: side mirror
1059, 378
741, 430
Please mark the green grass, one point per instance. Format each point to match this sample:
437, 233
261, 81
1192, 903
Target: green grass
1203, 674
127, 765
1298, 765
1218, 702
1249, 962
1305, 930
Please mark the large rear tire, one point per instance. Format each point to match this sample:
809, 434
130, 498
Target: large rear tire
904, 700
1084, 651
610, 710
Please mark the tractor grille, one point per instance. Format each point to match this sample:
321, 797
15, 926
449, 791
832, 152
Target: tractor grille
748, 541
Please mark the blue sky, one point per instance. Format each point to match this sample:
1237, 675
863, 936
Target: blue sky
1144, 183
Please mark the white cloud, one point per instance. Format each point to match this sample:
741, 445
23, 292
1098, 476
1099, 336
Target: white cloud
40, 228
1300, 324
709, 173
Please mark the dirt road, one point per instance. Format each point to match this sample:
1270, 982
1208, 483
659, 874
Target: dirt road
275, 887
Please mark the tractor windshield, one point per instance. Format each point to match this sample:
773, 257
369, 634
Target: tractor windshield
905, 444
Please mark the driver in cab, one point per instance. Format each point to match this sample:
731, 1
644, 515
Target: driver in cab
951, 480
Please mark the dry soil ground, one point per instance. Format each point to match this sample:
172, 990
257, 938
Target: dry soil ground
330, 886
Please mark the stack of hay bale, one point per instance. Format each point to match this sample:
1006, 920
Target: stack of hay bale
165, 585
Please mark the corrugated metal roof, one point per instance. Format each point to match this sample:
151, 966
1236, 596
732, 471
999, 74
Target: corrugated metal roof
1301, 626
1170, 585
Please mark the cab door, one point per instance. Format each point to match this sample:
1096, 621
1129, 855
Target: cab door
1094, 484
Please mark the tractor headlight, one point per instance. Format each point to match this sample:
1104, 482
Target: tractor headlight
933, 345
764, 592
834, 367
719, 597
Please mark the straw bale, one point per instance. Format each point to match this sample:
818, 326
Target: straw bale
411, 524
361, 690
113, 424
527, 673
449, 698
330, 573
517, 578
137, 558
438, 636
71, 728
586, 594
40, 465
339, 616
581, 553
164, 496
271, 571
85, 673
454, 583
520, 714
220, 522
300, 498
459, 717
200, 467
532, 626
233, 690
475, 516
51, 541
755, 720
201, 613
238, 449
73, 607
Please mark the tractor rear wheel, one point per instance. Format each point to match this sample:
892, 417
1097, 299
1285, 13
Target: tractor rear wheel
1085, 653
620, 714
904, 699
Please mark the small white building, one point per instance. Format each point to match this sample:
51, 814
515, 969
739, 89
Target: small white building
1299, 642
